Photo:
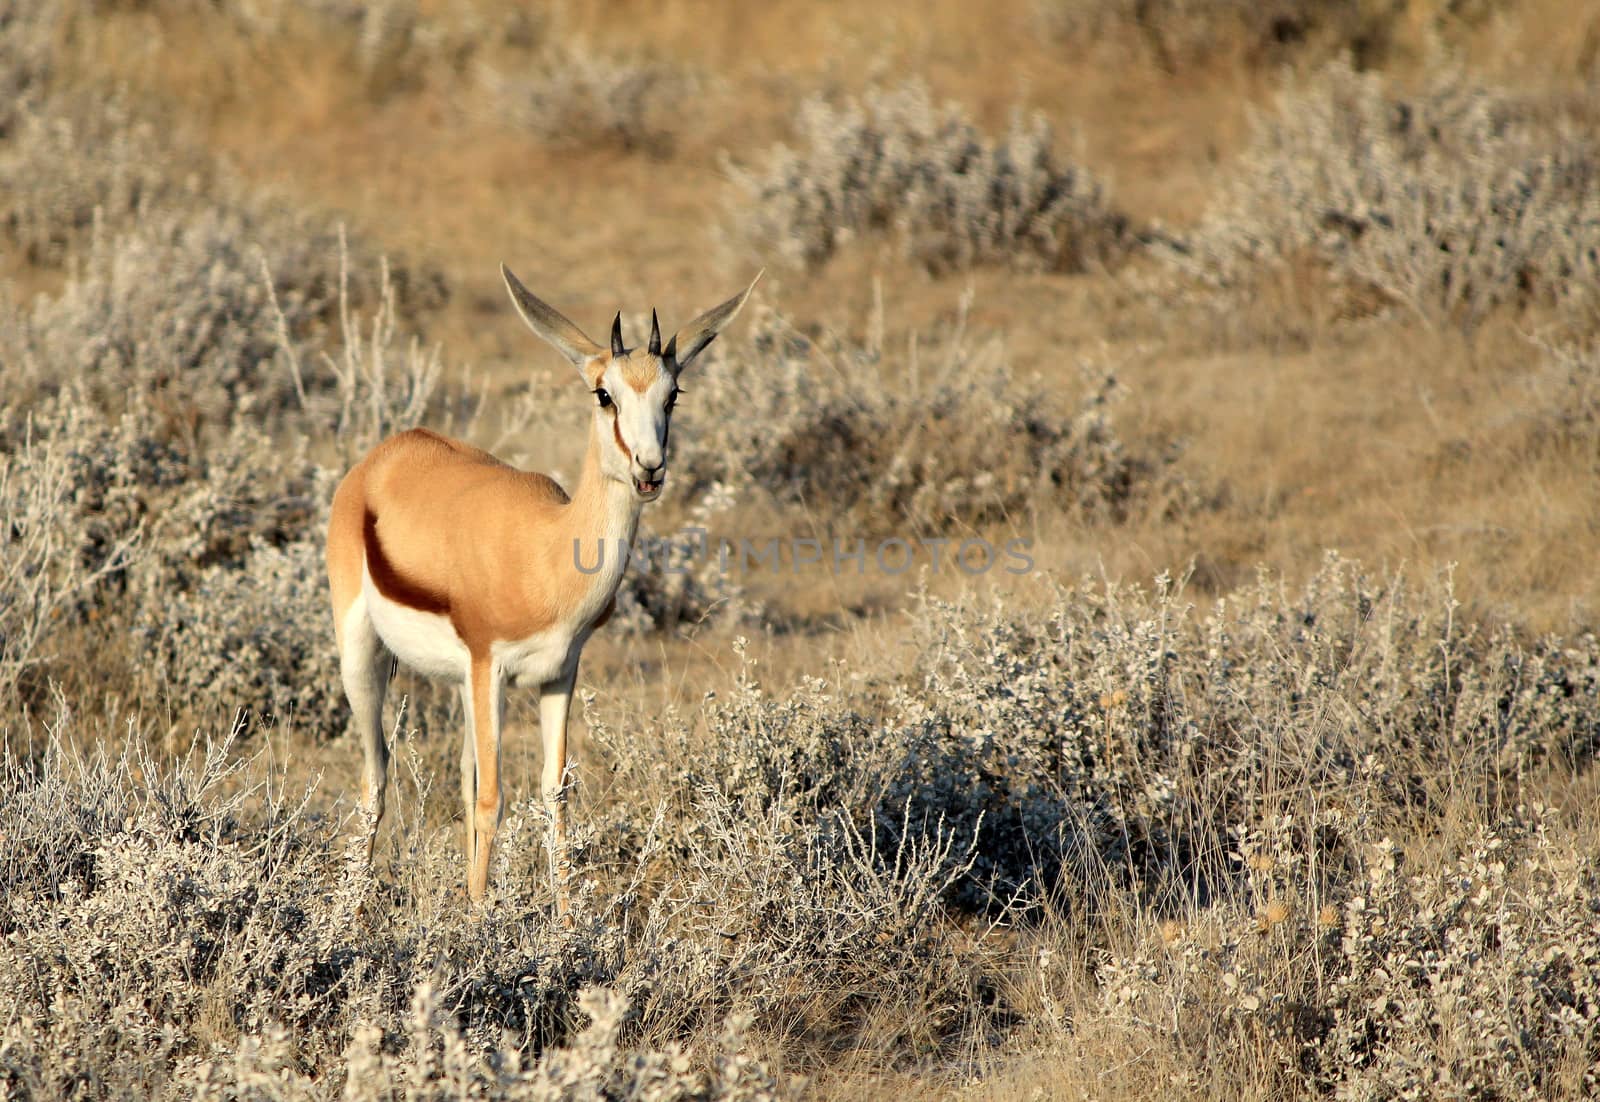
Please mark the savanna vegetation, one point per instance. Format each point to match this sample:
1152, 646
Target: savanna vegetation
1269, 330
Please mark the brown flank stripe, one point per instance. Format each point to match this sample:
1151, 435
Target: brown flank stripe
390, 583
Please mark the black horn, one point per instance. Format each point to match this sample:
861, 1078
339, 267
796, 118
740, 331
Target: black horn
616, 337
655, 333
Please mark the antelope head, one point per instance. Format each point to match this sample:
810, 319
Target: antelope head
635, 389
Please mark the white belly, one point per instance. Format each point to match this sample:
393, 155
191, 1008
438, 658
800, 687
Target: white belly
537, 659
425, 641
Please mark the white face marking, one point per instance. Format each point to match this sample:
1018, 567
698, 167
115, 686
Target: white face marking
641, 419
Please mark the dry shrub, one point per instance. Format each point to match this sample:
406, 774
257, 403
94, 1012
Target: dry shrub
1105, 754
567, 96
895, 162
164, 506
789, 872
1181, 34
53, 555
1169, 736
158, 940
1490, 956
78, 161
180, 311
29, 38
1112, 733
596, 1064
174, 928
942, 435
125, 538
79, 498
1454, 202
1466, 973
256, 635
817, 895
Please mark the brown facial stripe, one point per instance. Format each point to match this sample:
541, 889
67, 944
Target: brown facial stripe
616, 431
389, 581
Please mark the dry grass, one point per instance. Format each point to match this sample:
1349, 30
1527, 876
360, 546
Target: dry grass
1195, 809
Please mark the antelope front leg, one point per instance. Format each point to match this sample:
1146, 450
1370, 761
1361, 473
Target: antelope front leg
483, 813
469, 775
555, 697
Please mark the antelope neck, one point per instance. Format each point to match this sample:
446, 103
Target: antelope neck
601, 507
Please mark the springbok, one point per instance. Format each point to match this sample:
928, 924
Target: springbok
466, 568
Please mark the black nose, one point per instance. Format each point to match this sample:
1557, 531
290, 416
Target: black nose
647, 468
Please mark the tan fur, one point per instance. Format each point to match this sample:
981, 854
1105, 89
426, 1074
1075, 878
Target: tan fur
495, 543
475, 575
445, 528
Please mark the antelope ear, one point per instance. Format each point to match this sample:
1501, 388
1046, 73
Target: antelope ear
549, 324
692, 339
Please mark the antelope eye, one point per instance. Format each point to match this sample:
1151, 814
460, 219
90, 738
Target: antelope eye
605, 399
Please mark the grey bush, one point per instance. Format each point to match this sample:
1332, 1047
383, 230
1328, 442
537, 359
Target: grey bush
895, 162
1453, 202
255, 634
1470, 973
944, 434
74, 162
1243, 770
1113, 730
195, 559
209, 951
1165, 735
28, 39
58, 550
577, 97
1182, 34
180, 311
160, 486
